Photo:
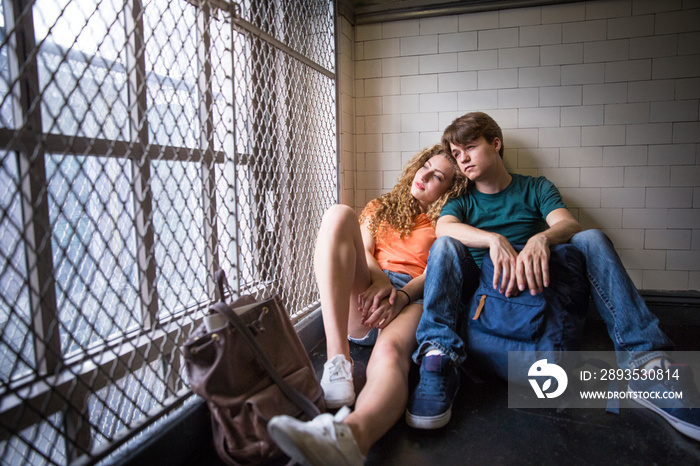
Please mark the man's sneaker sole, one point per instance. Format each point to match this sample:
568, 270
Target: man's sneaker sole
428, 422
681, 426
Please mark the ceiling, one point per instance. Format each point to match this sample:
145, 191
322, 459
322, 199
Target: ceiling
372, 11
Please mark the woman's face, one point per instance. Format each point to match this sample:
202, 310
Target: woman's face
432, 180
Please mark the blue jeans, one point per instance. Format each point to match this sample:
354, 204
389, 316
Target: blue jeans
452, 276
633, 329
450, 281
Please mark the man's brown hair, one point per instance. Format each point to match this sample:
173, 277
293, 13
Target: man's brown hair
470, 127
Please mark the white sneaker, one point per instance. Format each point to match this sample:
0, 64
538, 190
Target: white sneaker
338, 389
324, 440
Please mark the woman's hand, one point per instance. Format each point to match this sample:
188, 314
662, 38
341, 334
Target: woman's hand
388, 308
369, 300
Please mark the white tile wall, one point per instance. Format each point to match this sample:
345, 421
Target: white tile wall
605, 51
519, 57
348, 67
461, 81
473, 100
584, 31
582, 74
667, 239
651, 133
671, 198
685, 176
608, 9
480, 60
457, 42
602, 97
649, 47
673, 154
623, 197
686, 132
439, 25
616, 156
641, 7
478, 21
561, 96
520, 17
631, 26
564, 13
566, 54
581, 156
419, 45
582, 197
540, 35
419, 84
616, 114
646, 91
401, 29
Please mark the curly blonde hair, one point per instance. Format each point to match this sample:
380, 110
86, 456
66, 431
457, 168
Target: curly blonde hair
398, 208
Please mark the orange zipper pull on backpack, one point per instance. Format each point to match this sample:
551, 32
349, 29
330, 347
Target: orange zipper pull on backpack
480, 307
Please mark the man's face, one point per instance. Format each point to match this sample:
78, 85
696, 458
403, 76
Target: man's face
477, 157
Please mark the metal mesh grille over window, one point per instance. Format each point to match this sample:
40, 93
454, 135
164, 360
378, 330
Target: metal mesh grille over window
143, 145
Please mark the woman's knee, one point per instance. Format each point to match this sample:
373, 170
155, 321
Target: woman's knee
389, 352
338, 217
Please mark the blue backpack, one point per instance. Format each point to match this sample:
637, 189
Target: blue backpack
544, 325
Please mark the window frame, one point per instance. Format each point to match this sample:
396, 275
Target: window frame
53, 372
60, 384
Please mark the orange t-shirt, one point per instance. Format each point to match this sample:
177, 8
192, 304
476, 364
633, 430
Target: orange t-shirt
409, 254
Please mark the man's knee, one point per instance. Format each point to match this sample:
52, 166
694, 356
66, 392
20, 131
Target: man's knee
446, 246
451, 259
587, 239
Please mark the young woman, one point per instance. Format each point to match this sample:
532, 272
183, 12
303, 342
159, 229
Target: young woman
370, 273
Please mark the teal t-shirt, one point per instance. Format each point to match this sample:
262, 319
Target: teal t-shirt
518, 212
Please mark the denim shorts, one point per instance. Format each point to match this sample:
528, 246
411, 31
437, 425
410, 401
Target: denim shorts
398, 280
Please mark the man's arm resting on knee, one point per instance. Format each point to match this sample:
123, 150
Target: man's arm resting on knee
501, 251
528, 269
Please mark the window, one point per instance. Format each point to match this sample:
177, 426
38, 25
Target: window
145, 144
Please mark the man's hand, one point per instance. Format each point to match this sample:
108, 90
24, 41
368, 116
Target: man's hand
532, 268
504, 260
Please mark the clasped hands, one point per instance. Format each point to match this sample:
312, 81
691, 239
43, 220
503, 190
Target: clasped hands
380, 303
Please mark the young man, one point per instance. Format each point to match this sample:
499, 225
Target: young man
500, 209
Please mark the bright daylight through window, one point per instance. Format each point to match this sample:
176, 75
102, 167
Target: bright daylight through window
145, 144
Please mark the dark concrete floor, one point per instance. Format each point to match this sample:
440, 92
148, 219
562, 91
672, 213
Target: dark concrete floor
483, 430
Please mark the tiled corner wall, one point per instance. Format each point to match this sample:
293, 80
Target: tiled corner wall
601, 97
346, 81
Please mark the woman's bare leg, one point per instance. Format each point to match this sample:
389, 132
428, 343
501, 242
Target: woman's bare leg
383, 399
341, 274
